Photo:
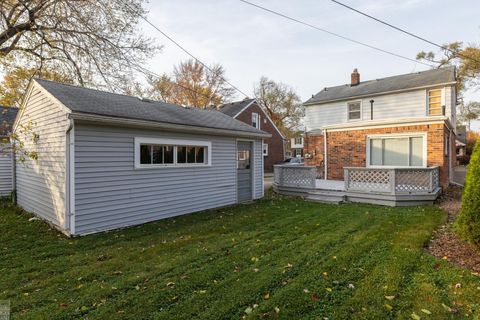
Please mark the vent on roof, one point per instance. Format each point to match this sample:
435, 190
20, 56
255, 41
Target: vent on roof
145, 99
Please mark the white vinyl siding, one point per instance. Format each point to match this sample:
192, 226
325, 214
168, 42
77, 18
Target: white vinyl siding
412, 104
111, 193
41, 183
396, 150
6, 171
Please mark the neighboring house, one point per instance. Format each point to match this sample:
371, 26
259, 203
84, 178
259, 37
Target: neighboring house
296, 145
108, 161
461, 143
396, 122
7, 117
250, 112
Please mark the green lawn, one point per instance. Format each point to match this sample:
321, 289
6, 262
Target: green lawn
276, 258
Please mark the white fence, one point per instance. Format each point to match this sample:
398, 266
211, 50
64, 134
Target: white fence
392, 180
295, 176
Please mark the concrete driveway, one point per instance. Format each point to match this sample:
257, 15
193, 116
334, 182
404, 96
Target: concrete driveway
459, 174
268, 181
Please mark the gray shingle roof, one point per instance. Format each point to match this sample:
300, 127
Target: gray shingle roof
90, 101
378, 86
233, 108
7, 118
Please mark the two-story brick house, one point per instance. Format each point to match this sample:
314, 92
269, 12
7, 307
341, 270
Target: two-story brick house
401, 121
248, 111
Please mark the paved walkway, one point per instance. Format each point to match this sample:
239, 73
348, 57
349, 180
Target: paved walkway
459, 174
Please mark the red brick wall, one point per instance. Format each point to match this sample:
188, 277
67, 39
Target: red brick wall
275, 142
348, 148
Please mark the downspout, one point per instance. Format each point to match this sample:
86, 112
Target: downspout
14, 172
325, 156
70, 133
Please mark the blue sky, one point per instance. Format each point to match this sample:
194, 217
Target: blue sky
250, 43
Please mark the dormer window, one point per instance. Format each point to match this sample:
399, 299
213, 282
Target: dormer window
354, 110
435, 102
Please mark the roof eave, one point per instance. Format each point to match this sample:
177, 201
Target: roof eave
306, 103
163, 125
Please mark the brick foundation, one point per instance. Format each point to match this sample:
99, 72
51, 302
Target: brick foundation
348, 148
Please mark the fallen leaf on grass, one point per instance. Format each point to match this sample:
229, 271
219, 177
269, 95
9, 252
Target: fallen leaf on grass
415, 316
390, 297
314, 297
351, 286
306, 290
248, 310
266, 296
388, 307
254, 259
426, 311
446, 307
329, 289
171, 284
277, 310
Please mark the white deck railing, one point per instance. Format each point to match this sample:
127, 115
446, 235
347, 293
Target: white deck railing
295, 176
392, 180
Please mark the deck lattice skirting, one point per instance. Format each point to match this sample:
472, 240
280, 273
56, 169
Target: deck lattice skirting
387, 186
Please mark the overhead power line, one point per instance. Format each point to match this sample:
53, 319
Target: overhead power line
333, 33
180, 46
405, 31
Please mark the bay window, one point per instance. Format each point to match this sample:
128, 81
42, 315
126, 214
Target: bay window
154, 153
397, 151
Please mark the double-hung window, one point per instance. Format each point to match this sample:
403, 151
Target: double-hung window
396, 151
256, 120
154, 153
265, 149
354, 110
435, 102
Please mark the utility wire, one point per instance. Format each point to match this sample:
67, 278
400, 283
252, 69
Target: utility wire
405, 31
333, 33
179, 45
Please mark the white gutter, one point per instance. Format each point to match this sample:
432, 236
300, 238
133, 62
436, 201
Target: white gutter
386, 122
165, 126
70, 183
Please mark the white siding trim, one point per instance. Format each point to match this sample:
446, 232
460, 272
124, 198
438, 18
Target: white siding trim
393, 136
71, 179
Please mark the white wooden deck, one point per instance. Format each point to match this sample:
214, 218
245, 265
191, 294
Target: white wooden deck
335, 185
386, 186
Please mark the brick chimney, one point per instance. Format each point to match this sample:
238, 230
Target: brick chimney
355, 77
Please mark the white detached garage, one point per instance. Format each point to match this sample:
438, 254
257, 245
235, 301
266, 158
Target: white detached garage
107, 161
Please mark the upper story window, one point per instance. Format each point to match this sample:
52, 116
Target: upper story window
157, 153
435, 102
298, 140
354, 110
256, 120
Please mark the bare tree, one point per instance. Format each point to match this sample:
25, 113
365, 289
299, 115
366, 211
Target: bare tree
282, 104
192, 84
95, 42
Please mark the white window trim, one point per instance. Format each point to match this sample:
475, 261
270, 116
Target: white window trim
265, 148
361, 110
171, 142
442, 100
254, 114
393, 136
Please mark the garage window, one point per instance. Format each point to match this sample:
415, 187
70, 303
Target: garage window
157, 153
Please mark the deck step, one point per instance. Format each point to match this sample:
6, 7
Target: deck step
327, 196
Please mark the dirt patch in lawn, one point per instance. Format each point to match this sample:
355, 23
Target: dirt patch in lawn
446, 244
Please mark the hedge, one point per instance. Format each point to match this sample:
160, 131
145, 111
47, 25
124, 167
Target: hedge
468, 222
